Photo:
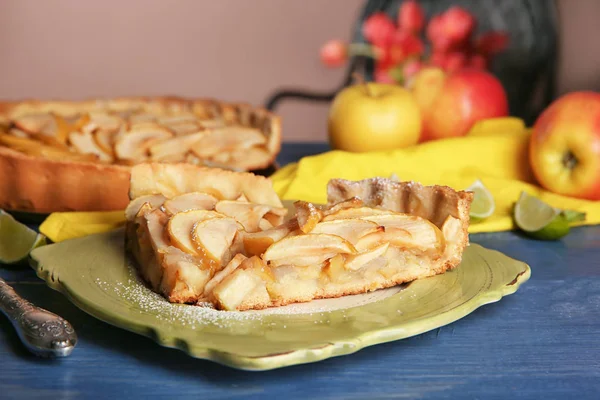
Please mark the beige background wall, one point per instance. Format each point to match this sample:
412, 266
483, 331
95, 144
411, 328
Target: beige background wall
229, 49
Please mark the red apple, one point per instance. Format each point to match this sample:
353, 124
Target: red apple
564, 150
451, 103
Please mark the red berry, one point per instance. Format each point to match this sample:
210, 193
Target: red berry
378, 28
411, 17
334, 53
435, 33
455, 61
410, 44
478, 61
492, 43
458, 25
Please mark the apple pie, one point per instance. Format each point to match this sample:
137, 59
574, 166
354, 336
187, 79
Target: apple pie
207, 236
62, 156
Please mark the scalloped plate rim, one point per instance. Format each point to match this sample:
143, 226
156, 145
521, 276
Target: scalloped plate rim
304, 355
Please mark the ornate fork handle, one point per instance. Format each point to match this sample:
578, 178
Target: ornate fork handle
42, 332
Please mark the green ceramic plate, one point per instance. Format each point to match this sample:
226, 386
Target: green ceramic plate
94, 274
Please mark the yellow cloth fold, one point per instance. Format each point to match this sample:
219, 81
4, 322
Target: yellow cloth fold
69, 225
499, 160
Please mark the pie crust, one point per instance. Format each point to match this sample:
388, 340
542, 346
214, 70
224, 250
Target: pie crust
208, 236
45, 182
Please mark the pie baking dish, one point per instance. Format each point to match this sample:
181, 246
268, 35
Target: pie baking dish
77, 155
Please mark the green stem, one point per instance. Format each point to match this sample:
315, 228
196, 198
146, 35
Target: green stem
361, 49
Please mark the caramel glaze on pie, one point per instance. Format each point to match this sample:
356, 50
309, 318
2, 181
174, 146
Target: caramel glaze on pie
204, 235
77, 156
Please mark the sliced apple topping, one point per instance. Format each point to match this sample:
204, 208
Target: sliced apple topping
35, 148
155, 223
106, 122
423, 235
180, 228
355, 212
304, 250
143, 118
105, 140
183, 275
36, 123
213, 237
308, 216
133, 145
177, 119
235, 288
233, 264
185, 128
451, 228
264, 225
351, 229
353, 202
17, 132
177, 146
334, 267
259, 267
257, 243
227, 139
84, 143
355, 262
276, 215
154, 200
190, 201
244, 159
142, 211
248, 214
212, 123
394, 236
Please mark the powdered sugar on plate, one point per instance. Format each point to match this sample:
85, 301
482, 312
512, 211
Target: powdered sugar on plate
135, 292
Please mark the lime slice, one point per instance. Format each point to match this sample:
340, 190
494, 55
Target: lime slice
483, 204
542, 221
16, 239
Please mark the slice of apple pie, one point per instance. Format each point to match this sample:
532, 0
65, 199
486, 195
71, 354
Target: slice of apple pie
205, 235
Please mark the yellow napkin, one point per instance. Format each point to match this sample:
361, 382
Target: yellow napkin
494, 152
498, 160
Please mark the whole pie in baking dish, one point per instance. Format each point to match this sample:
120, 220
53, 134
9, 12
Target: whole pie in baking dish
204, 235
60, 156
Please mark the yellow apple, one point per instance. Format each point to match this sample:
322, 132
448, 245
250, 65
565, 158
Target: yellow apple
373, 116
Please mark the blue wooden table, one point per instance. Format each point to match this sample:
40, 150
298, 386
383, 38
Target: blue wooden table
543, 342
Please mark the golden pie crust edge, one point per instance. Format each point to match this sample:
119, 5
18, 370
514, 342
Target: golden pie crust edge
39, 185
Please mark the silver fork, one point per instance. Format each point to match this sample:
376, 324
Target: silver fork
43, 333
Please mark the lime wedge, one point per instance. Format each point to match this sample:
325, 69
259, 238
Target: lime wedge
542, 221
16, 239
483, 204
